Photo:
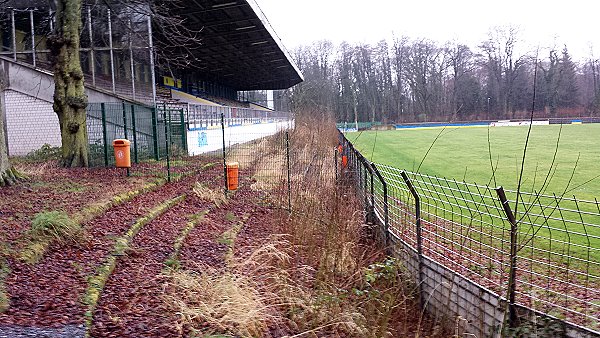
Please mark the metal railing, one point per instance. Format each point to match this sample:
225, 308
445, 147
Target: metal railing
491, 265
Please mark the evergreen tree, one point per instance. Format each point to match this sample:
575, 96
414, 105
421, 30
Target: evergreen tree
568, 90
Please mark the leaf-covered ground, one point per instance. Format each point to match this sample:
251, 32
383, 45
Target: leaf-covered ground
49, 298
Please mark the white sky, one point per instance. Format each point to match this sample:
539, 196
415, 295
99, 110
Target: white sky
541, 22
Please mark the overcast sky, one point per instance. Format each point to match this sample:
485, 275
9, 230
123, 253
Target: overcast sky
575, 23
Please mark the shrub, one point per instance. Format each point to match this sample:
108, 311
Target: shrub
45, 153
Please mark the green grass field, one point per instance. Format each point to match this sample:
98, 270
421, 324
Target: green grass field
464, 154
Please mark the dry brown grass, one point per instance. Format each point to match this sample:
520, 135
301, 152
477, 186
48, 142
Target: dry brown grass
217, 197
234, 301
227, 302
322, 277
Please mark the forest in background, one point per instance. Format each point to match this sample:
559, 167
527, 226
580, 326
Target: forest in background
410, 80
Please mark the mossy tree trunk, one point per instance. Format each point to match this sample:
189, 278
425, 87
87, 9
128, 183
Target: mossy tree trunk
8, 175
70, 99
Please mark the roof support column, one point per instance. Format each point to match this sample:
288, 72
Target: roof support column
151, 51
14, 33
131, 65
92, 56
112, 56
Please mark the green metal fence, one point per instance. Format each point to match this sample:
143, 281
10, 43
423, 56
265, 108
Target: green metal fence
155, 133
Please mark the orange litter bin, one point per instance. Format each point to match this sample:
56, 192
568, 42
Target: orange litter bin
122, 153
232, 175
344, 161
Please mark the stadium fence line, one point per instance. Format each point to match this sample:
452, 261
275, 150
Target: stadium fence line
492, 262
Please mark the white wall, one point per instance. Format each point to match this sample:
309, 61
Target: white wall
204, 141
30, 123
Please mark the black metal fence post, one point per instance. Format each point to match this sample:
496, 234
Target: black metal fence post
419, 229
513, 320
105, 133
167, 139
155, 133
386, 216
125, 128
183, 130
124, 120
289, 172
372, 191
135, 145
224, 159
365, 186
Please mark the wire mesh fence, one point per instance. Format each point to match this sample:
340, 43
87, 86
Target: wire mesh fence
166, 140
493, 261
169, 136
157, 135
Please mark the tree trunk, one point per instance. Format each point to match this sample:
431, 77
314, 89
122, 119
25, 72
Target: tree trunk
8, 175
70, 99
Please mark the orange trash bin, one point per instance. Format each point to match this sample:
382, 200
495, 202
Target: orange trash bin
232, 175
122, 153
344, 161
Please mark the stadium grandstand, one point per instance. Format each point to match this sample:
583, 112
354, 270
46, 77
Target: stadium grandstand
219, 52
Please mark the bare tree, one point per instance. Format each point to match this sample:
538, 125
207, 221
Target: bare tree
347, 96
461, 63
173, 39
425, 63
503, 64
417, 79
7, 174
400, 50
318, 91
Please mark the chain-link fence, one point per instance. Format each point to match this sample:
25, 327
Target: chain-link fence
490, 261
165, 140
169, 134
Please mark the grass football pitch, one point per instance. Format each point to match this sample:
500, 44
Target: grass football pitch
562, 160
470, 155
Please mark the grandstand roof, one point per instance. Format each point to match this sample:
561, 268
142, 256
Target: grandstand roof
239, 47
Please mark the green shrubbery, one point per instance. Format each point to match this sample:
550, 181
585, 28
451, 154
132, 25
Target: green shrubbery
45, 153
